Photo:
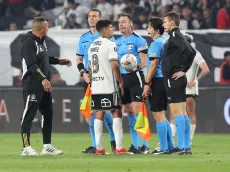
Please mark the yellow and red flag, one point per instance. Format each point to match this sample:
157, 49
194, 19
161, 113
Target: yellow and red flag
85, 108
142, 123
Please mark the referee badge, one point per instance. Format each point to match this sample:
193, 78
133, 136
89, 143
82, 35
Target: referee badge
130, 47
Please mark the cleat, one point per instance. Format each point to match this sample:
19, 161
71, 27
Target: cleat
188, 151
144, 149
29, 151
157, 151
101, 152
50, 150
89, 150
178, 151
122, 151
134, 150
113, 145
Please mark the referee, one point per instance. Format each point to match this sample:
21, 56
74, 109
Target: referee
36, 86
177, 59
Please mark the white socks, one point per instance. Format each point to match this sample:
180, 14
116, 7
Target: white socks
192, 130
118, 132
173, 127
98, 128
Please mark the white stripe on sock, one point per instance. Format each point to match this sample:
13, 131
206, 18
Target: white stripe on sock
98, 128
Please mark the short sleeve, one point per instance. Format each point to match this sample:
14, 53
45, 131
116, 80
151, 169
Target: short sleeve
142, 45
199, 58
154, 51
113, 51
80, 50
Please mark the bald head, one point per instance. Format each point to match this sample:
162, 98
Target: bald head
40, 26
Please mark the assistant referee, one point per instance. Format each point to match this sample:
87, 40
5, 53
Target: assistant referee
36, 86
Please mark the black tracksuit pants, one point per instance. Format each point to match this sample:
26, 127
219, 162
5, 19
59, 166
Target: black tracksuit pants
34, 101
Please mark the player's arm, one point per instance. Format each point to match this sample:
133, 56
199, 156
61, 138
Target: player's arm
142, 47
113, 58
90, 72
204, 71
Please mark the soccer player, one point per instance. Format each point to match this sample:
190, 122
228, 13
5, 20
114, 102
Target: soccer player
86, 39
104, 73
36, 86
158, 99
192, 87
177, 59
131, 43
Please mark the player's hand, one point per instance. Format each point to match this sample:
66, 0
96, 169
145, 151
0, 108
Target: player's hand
121, 86
86, 77
191, 84
66, 62
178, 75
146, 91
47, 86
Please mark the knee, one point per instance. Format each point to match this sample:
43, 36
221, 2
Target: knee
129, 110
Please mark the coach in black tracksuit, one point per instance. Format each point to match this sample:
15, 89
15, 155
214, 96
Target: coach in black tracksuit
177, 59
36, 80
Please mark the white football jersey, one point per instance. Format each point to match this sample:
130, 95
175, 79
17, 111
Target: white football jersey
100, 53
191, 74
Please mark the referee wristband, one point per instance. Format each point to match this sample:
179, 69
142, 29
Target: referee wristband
80, 66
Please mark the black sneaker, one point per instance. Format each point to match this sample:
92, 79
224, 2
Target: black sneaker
157, 151
113, 145
134, 150
144, 149
89, 150
188, 151
178, 151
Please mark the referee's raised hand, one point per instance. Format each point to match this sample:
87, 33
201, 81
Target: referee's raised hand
47, 86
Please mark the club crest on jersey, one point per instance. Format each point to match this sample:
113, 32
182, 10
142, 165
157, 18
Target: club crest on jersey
130, 47
106, 103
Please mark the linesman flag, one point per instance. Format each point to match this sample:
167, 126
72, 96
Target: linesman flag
142, 123
85, 108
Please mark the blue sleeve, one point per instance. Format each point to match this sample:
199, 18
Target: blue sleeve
113, 39
80, 50
142, 45
154, 51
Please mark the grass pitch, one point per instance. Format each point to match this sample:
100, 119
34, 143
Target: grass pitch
211, 153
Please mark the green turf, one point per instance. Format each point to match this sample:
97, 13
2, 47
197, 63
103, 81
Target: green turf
210, 153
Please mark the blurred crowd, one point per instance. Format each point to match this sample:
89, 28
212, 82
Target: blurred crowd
72, 14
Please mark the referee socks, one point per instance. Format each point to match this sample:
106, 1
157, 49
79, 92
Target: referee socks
187, 132
108, 119
180, 128
134, 134
91, 129
162, 135
169, 136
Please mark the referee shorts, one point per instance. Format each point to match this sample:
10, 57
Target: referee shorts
176, 89
133, 87
158, 98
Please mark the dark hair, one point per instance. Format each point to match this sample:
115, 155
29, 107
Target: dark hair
174, 16
102, 24
188, 37
96, 10
125, 15
40, 19
157, 24
226, 54
222, 3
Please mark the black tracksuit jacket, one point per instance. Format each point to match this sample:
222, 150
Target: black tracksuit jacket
35, 62
178, 54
